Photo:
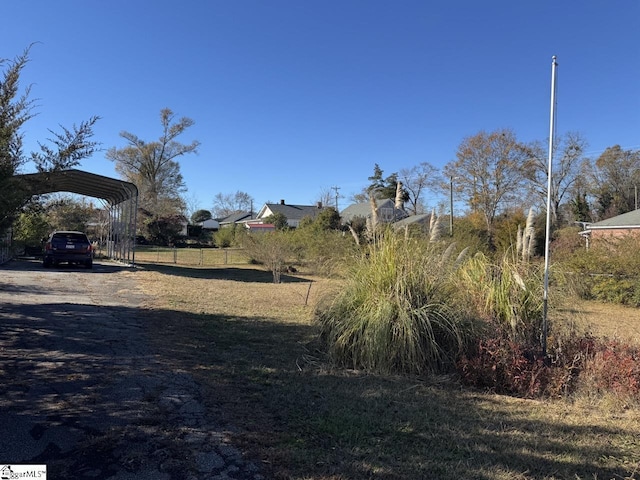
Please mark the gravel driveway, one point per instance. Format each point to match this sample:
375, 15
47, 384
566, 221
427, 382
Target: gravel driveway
82, 392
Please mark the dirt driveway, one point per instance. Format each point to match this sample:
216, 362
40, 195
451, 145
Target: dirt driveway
82, 392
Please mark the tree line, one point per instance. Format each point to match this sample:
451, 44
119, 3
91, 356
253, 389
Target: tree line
494, 174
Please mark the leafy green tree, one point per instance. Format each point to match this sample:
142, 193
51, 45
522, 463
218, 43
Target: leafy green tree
506, 230
66, 213
580, 208
376, 182
278, 220
200, 216
225, 237
385, 187
381, 187
15, 111
69, 147
327, 219
31, 226
617, 178
165, 230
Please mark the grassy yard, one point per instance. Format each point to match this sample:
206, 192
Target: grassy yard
190, 256
253, 346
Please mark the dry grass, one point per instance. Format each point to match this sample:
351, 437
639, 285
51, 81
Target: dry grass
607, 320
190, 256
252, 344
239, 291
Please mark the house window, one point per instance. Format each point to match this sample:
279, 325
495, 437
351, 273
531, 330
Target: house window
386, 214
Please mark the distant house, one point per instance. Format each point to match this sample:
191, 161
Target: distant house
210, 224
234, 219
294, 213
614, 227
385, 209
422, 221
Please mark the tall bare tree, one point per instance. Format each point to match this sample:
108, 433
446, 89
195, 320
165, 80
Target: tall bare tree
416, 181
225, 204
328, 196
489, 173
568, 164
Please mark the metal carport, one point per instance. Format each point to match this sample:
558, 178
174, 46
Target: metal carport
120, 197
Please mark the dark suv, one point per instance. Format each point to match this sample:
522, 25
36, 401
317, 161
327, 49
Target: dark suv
70, 247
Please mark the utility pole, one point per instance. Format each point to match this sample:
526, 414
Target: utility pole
337, 195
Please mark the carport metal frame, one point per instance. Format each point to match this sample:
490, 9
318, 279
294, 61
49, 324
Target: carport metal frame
120, 197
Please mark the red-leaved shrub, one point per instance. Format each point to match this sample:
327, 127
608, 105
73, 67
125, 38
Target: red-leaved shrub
613, 367
593, 365
504, 366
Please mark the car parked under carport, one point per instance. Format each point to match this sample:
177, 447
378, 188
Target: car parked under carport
68, 247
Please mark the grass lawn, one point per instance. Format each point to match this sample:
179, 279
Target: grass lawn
190, 256
253, 346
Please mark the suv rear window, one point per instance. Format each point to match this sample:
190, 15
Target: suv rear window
71, 237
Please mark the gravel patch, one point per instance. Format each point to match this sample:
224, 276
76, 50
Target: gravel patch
82, 391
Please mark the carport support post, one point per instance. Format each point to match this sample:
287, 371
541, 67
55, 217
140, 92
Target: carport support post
110, 234
135, 229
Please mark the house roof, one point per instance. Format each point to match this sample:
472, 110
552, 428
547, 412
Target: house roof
236, 217
364, 209
83, 183
423, 219
626, 220
292, 212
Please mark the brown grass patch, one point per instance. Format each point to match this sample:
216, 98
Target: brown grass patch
253, 345
608, 320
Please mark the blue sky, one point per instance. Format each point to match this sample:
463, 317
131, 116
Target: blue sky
291, 98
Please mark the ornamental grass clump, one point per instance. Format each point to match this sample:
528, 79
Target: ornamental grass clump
506, 294
394, 314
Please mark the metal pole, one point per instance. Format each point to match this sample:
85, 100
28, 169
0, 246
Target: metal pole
451, 206
545, 295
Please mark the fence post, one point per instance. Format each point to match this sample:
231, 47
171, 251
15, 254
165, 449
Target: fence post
175, 255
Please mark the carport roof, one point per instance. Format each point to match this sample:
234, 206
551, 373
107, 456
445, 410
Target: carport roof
112, 190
